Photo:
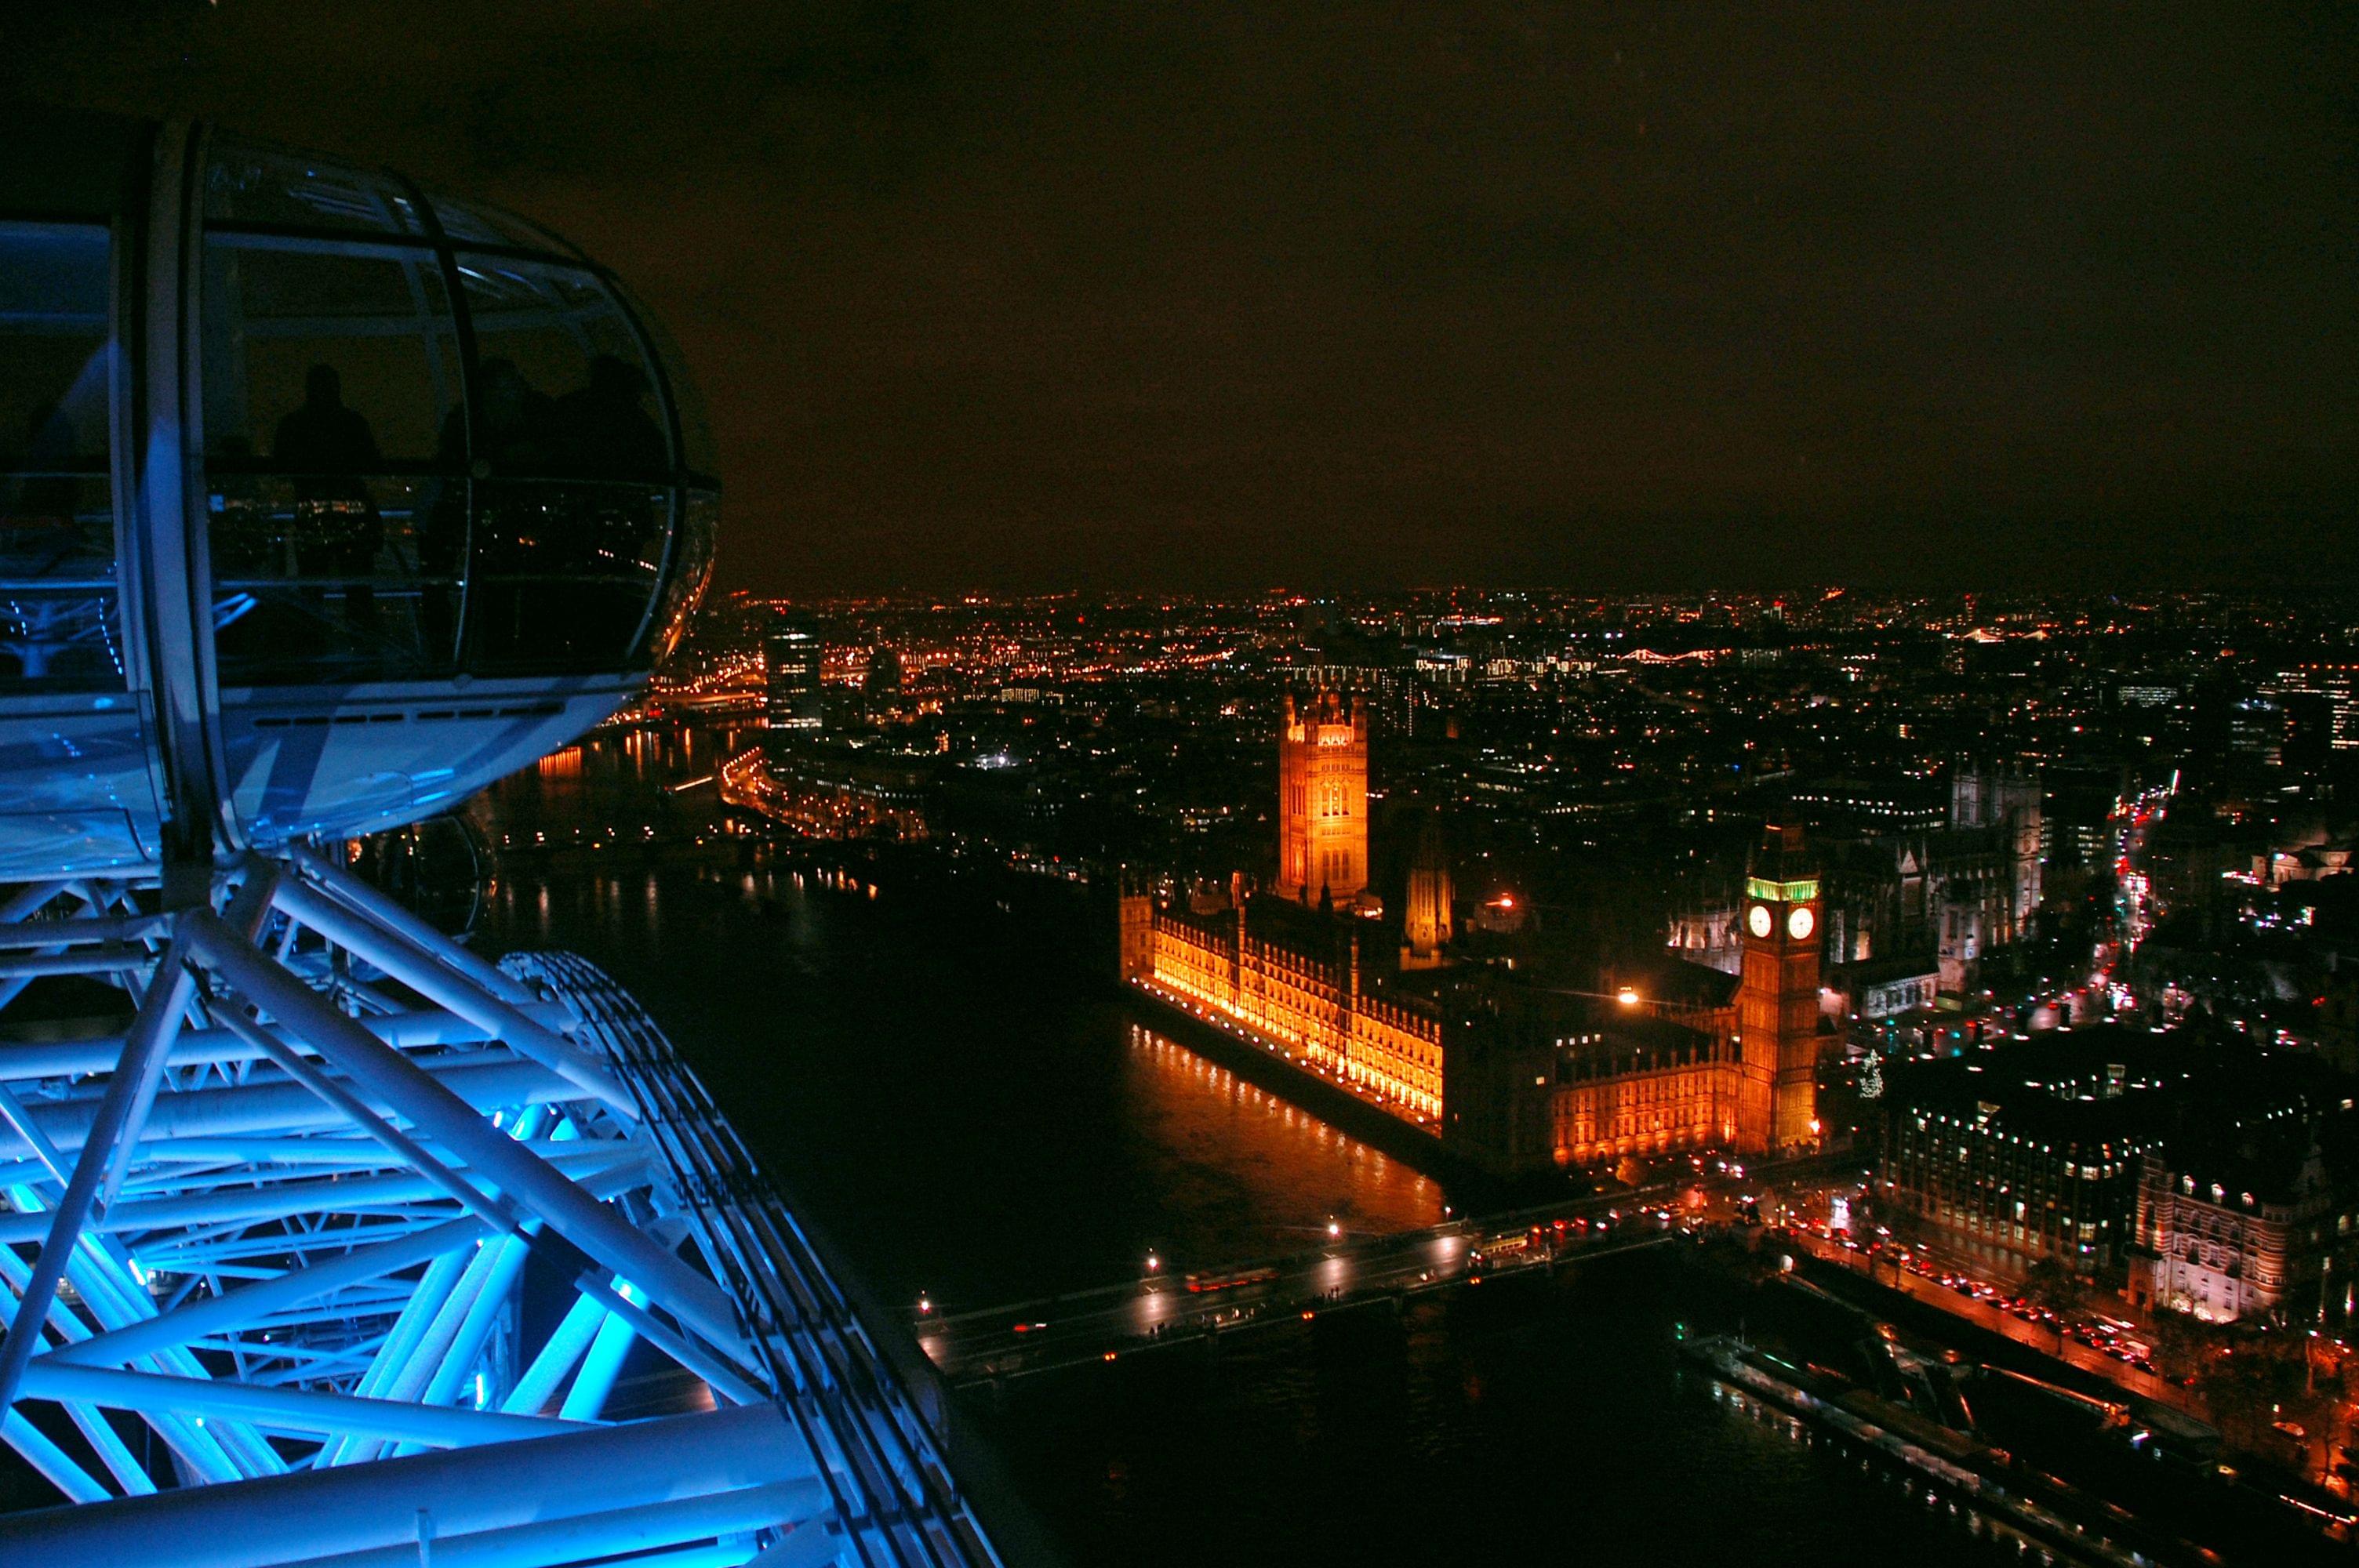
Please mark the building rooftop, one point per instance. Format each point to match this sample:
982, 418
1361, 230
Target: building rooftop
2115, 1084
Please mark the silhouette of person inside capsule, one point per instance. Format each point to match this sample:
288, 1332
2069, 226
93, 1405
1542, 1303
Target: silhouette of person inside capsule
603, 427
326, 448
516, 434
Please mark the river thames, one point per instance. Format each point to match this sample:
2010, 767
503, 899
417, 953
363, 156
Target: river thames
956, 1099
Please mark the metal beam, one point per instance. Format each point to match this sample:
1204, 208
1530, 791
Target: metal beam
374, 905
160, 1020
415, 968
601, 1364
80, 929
312, 1514
105, 960
650, 1527
558, 1354
401, 1084
214, 1047
281, 1200
220, 1314
395, 1141
293, 1409
490, 1079
728, 1379
246, 908
49, 1459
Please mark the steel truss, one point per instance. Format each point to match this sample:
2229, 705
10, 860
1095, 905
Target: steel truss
266, 1255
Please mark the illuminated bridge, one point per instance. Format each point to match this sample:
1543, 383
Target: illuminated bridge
1163, 1311
324, 503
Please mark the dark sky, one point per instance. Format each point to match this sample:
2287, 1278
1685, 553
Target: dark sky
1007, 295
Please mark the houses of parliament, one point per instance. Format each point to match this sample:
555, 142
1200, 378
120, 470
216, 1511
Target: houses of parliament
1510, 1073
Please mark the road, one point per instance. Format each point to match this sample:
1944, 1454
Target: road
1350, 1271
2039, 1336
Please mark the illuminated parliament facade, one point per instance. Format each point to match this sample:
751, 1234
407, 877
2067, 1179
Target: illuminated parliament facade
1510, 1075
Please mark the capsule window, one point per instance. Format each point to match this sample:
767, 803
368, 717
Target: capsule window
697, 453
327, 359
247, 183
564, 573
564, 388
691, 570
480, 224
336, 445
59, 628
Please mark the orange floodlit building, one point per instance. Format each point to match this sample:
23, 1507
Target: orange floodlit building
1323, 791
1511, 1075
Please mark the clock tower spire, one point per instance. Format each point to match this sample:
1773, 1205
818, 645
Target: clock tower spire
1778, 998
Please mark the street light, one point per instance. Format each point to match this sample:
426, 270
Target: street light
1626, 995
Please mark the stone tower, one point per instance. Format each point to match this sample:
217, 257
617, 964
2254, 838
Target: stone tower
1778, 998
1135, 952
1323, 800
1427, 924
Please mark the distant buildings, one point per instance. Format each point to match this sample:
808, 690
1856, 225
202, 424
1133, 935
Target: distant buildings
2028, 1150
2200, 1176
1294, 979
1512, 1073
2022, 812
793, 650
1918, 889
2234, 1226
1869, 806
832, 790
2328, 719
1910, 902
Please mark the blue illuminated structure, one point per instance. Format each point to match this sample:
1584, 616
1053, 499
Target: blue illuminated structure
324, 503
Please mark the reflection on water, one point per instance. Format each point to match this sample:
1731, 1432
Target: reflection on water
953, 1103
1248, 1173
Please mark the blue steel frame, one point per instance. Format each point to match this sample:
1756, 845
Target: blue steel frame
263, 1254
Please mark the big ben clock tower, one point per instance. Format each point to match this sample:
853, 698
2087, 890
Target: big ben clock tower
1778, 999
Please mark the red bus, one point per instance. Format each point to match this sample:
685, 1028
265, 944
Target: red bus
1199, 1283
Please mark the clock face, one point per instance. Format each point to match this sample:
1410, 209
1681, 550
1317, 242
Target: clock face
1800, 921
1758, 920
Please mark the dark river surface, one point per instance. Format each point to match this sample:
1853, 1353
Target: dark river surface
937, 1071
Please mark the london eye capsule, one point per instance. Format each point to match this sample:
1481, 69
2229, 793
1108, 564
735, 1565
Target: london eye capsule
324, 501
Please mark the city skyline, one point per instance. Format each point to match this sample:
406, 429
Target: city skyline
1021, 300
946, 785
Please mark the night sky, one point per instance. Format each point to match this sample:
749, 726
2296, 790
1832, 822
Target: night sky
1012, 296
